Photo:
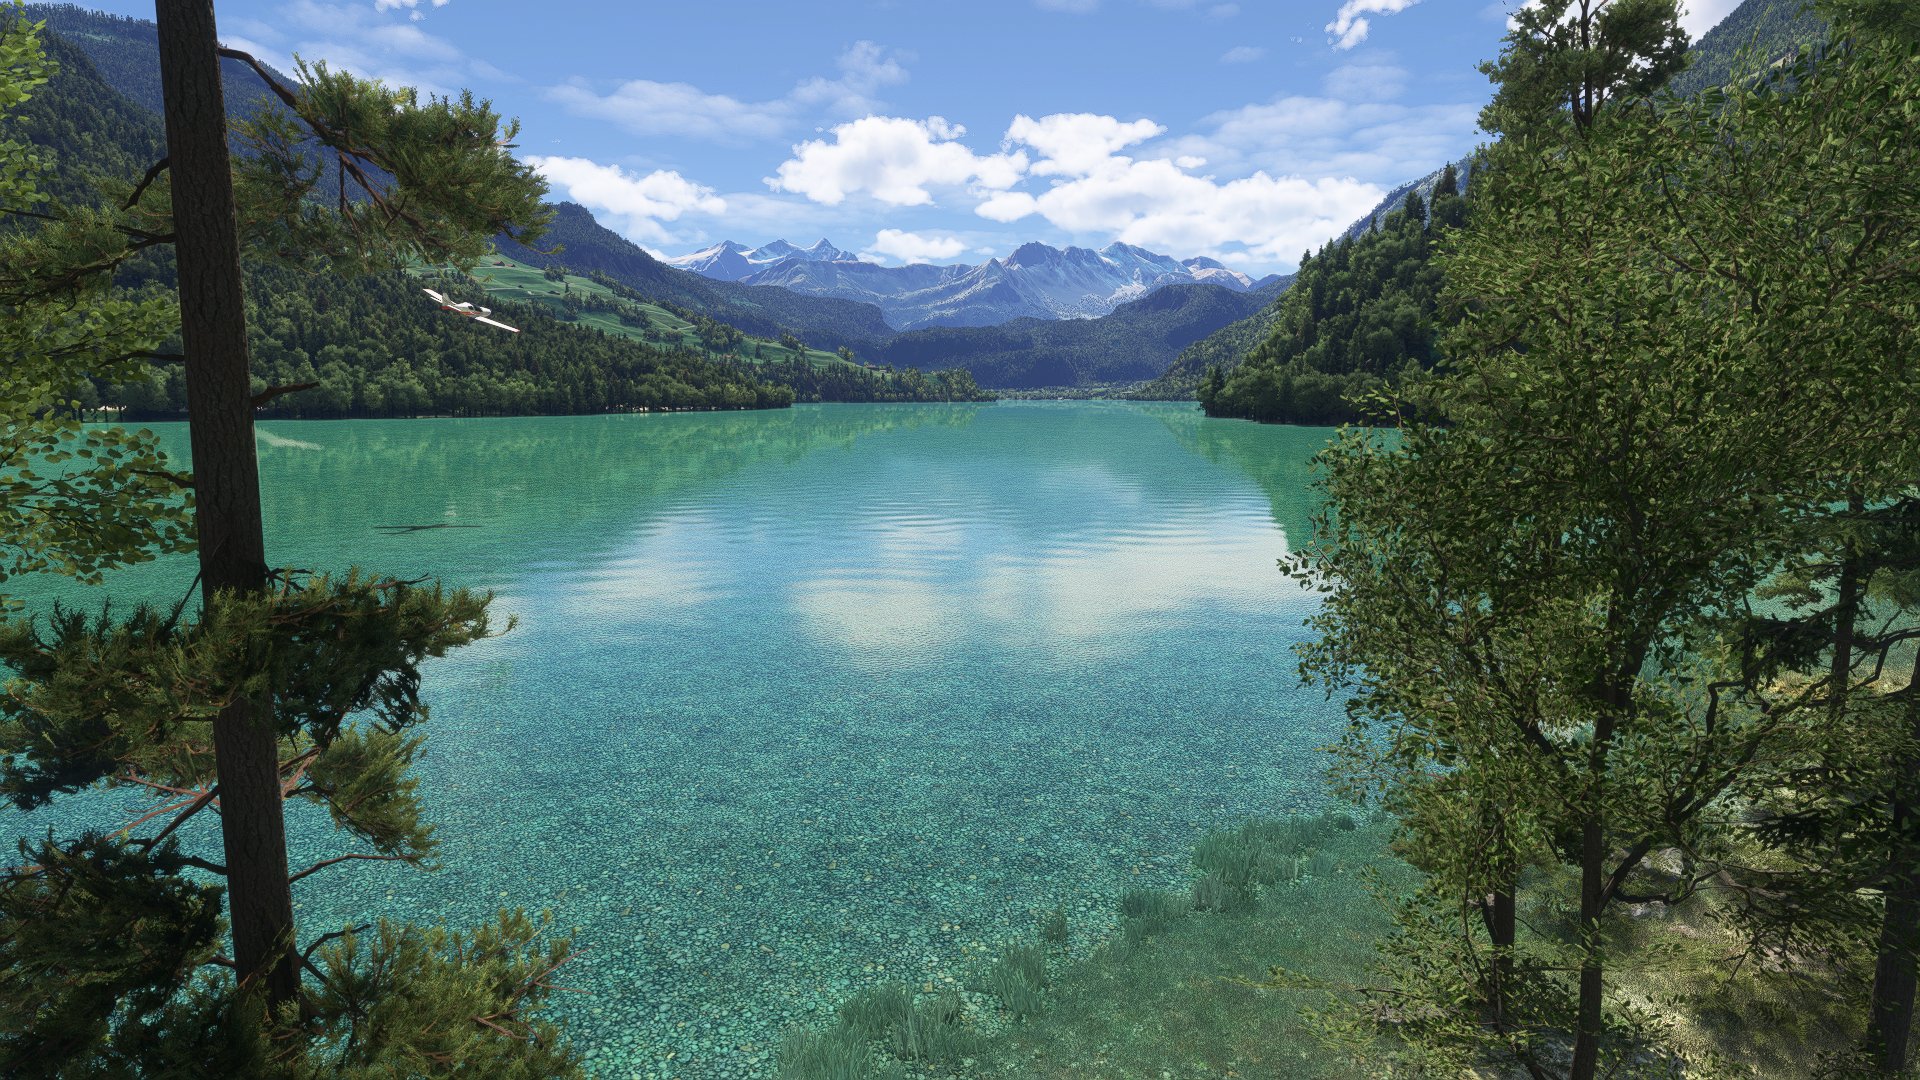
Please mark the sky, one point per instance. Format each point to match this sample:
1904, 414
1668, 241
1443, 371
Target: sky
940, 131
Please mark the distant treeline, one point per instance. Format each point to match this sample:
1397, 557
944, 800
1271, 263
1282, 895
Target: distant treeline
375, 346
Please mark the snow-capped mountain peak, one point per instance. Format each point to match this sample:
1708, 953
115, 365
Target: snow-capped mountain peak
1035, 280
729, 261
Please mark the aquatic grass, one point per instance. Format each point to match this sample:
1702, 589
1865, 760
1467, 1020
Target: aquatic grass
834, 1053
1182, 1000
1053, 927
1213, 892
932, 1032
875, 1012
1019, 979
928, 1032
1146, 912
1172, 991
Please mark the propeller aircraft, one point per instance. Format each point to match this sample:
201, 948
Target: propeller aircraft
467, 310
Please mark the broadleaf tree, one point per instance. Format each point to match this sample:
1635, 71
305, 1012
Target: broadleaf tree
1686, 333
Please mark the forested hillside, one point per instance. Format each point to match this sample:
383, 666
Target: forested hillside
1360, 313
1134, 341
375, 346
1769, 28
577, 242
123, 52
1224, 349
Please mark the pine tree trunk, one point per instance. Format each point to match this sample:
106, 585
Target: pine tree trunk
213, 326
1890, 1009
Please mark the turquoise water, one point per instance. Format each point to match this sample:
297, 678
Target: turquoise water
799, 701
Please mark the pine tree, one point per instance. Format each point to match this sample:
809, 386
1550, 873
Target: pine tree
111, 950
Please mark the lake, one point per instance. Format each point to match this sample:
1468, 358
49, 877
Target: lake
803, 700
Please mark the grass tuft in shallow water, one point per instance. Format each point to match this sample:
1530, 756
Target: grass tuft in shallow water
1146, 912
1019, 979
836, 1053
1174, 991
933, 1032
876, 1011
1053, 927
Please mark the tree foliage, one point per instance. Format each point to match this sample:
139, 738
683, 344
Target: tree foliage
1567, 59
1686, 337
1360, 315
112, 943
72, 499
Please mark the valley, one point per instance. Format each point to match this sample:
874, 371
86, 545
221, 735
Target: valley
463, 614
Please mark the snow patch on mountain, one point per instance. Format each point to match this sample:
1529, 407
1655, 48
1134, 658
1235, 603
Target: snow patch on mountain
728, 261
1036, 280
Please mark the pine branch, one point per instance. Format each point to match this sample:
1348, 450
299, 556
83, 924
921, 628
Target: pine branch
324, 863
146, 181
272, 392
332, 935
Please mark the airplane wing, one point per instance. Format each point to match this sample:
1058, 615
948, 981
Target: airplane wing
501, 325
435, 295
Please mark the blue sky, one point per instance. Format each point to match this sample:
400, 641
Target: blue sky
934, 130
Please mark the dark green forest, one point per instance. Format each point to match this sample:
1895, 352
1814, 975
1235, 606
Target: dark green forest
1359, 315
374, 346
1224, 348
1366, 315
1770, 30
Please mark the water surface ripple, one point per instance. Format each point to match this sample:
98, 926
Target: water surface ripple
803, 700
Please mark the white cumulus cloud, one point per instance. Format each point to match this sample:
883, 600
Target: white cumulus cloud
1350, 25
1073, 144
907, 247
394, 5
1159, 205
639, 202
894, 160
358, 39
1366, 82
1385, 142
1243, 54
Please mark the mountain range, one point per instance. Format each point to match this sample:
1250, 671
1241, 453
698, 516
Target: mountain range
1041, 316
1036, 281
1137, 340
